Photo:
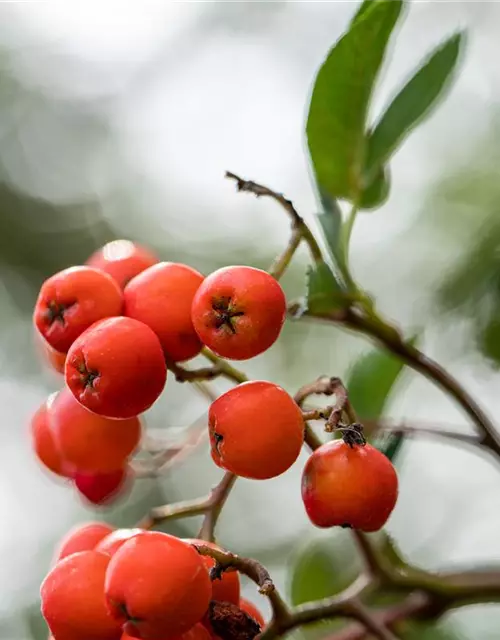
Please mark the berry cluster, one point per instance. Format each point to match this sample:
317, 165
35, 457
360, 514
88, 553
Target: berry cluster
124, 584
114, 327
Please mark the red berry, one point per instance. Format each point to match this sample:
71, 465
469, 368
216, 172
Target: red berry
73, 602
101, 488
122, 260
73, 299
251, 609
238, 312
198, 632
227, 589
112, 542
116, 368
256, 430
83, 538
157, 586
91, 442
44, 443
352, 486
161, 297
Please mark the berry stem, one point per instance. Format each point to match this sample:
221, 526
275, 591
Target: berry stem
225, 369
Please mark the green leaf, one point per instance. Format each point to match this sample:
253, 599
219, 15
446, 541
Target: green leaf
324, 293
322, 568
376, 193
362, 8
340, 99
370, 381
330, 220
412, 103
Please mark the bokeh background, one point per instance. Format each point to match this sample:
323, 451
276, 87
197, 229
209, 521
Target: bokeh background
119, 121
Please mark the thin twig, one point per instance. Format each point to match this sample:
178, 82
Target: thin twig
217, 501
259, 190
280, 265
376, 627
225, 369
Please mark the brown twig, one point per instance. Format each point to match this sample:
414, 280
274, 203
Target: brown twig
298, 224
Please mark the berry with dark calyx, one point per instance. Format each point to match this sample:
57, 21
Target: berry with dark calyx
157, 586
73, 602
239, 311
122, 260
116, 368
89, 442
349, 485
83, 538
227, 587
161, 297
101, 488
72, 300
44, 442
256, 430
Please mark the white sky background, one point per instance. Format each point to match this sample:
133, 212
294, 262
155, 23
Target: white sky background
229, 91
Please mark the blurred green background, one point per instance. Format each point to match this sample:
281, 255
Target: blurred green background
119, 121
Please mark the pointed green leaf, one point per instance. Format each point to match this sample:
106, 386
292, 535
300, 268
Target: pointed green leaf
330, 220
340, 99
413, 103
324, 293
377, 191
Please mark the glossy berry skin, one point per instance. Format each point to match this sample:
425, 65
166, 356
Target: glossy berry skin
251, 609
161, 297
73, 603
122, 260
91, 442
157, 586
112, 542
198, 632
116, 368
227, 589
101, 488
83, 538
256, 430
72, 300
349, 486
44, 442
238, 312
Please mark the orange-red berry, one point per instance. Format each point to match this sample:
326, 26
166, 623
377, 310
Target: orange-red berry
157, 586
122, 260
227, 589
198, 632
112, 542
116, 368
238, 312
89, 442
101, 488
44, 443
83, 538
73, 602
73, 299
161, 297
351, 486
251, 609
256, 430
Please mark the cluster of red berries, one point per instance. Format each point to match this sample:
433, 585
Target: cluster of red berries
129, 583
112, 326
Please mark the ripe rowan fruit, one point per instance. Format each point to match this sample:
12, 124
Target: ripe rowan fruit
251, 609
83, 538
256, 430
116, 368
349, 485
112, 542
73, 603
73, 299
92, 443
122, 260
198, 632
44, 443
157, 586
227, 588
161, 297
101, 488
238, 311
